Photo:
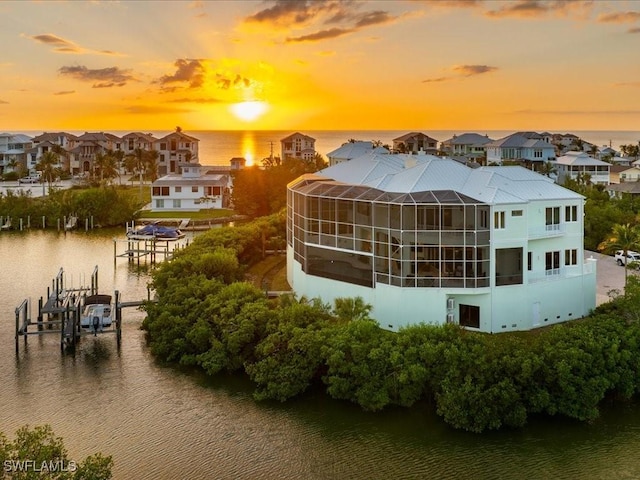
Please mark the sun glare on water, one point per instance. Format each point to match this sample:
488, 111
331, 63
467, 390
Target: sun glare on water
249, 111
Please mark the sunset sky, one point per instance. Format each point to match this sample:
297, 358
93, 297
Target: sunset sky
216, 65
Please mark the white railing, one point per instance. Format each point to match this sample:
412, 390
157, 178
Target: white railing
545, 231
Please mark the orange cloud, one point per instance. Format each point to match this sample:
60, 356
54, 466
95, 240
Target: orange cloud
62, 45
542, 9
619, 17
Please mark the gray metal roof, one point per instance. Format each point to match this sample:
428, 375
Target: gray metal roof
580, 159
351, 150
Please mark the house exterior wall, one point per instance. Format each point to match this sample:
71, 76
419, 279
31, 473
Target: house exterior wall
184, 197
522, 265
298, 146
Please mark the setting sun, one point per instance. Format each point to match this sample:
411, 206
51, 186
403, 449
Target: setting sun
249, 111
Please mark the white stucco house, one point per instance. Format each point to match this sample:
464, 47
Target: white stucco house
578, 164
427, 239
191, 190
13, 151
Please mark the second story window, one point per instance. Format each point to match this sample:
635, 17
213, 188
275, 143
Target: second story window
571, 213
552, 218
498, 220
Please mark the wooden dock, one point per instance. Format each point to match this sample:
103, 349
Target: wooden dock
60, 313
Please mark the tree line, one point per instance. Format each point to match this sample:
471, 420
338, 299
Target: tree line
109, 206
207, 317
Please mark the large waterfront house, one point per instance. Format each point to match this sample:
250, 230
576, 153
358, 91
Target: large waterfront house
523, 147
298, 145
415, 142
427, 239
580, 166
138, 141
353, 149
88, 146
193, 189
60, 143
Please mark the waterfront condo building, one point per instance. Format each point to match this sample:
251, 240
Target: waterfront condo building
427, 239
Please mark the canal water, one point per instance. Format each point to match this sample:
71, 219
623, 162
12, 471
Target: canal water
159, 423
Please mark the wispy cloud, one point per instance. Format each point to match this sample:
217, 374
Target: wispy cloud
2, 102
104, 77
188, 71
619, 17
196, 100
65, 92
634, 30
470, 70
578, 9
340, 17
437, 79
62, 45
627, 84
463, 71
154, 109
321, 35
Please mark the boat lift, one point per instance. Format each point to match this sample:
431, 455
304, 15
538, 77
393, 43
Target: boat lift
61, 313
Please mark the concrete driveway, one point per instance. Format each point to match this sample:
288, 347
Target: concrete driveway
610, 276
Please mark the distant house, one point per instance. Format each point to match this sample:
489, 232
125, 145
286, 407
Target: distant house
351, 150
13, 151
415, 142
298, 145
58, 142
194, 189
524, 147
175, 149
622, 173
87, 146
577, 164
134, 140
619, 189
607, 152
468, 145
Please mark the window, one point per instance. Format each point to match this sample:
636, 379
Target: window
516, 213
552, 218
498, 220
194, 189
160, 191
163, 146
177, 204
571, 213
571, 257
160, 203
552, 263
178, 189
470, 316
529, 261
537, 154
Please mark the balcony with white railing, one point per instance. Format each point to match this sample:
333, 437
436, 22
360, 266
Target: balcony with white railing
547, 231
588, 268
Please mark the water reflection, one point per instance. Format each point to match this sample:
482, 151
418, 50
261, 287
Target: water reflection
248, 147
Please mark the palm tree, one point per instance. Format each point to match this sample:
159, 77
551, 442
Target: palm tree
623, 237
48, 166
62, 154
108, 165
547, 169
135, 163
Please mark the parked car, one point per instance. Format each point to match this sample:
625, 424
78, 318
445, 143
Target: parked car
29, 179
631, 257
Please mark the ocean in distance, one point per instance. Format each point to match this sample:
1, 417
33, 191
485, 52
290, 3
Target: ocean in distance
217, 147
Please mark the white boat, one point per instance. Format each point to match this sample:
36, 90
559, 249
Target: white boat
97, 313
